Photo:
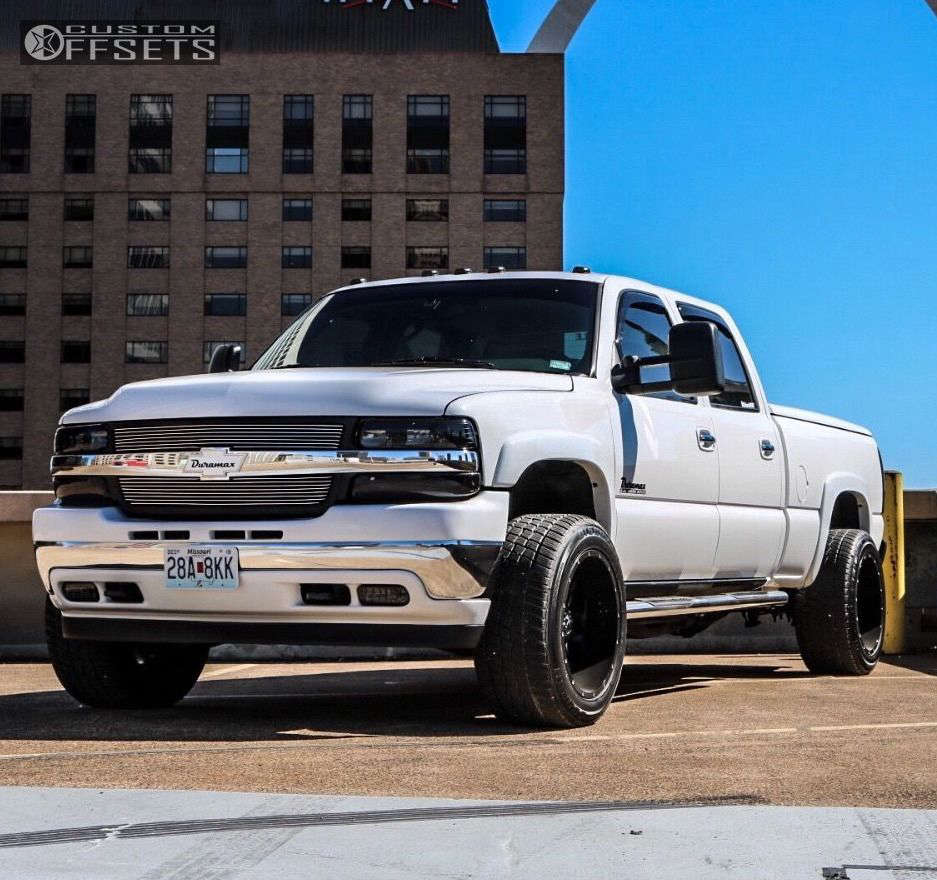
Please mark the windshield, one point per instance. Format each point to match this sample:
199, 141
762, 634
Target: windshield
533, 324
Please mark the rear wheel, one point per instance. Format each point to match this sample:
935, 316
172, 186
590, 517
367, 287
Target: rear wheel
118, 675
554, 642
840, 618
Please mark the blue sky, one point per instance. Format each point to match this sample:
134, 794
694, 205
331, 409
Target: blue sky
779, 158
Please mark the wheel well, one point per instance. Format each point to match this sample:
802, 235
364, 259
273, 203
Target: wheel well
846, 512
553, 487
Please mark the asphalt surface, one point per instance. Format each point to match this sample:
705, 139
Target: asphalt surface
683, 729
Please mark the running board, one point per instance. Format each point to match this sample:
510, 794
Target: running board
671, 606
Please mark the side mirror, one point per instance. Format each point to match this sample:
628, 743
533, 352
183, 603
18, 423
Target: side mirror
225, 359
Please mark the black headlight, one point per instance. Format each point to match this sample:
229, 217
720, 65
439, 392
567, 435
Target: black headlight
82, 439
429, 433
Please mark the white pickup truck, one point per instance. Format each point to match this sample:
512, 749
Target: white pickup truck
512, 464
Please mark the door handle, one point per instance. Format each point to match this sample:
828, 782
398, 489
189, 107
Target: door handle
705, 438
767, 449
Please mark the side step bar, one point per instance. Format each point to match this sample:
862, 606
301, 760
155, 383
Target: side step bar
671, 606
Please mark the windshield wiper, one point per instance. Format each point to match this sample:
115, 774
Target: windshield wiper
438, 361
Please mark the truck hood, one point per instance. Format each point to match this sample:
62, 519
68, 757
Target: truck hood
805, 415
385, 391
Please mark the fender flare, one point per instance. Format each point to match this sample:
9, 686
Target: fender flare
835, 485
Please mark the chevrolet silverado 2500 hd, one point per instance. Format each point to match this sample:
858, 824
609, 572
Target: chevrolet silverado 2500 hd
514, 464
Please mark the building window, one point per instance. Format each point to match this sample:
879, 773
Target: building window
505, 257
427, 209
292, 304
12, 352
506, 134
72, 397
11, 448
357, 134
147, 257
428, 134
356, 257
12, 258
209, 346
427, 258
226, 257
147, 305
14, 209
77, 257
233, 304
148, 209
298, 128
80, 124
226, 209
76, 352
150, 134
297, 209
79, 208
147, 352
356, 210
297, 258
11, 399
505, 211
15, 133
227, 136
12, 304
76, 304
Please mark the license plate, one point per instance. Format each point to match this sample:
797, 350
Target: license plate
201, 567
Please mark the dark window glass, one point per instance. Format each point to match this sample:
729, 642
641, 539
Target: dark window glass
80, 124
427, 209
738, 393
506, 257
14, 209
357, 134
482, 321
12, 352
12, 257
229, 111
226, 209
11, 448
11, 399
297, 209
148, 209
147, 305
76, 352
147, 352
150, 134
298, 134
78, 257
76, 304
147, 257
505, 134
226, 257
72, 397
296, 257
356, 210
226, 304
15, 133
427, 258
12, 304
505, 210
295, 303
226, 160
79, 208
643, 331
209, 346
227, 136
428, 134
356, 258
150, 160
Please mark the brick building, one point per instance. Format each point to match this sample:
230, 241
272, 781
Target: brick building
150, 210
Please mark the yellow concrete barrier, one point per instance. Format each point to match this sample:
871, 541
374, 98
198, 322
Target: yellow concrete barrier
893, 564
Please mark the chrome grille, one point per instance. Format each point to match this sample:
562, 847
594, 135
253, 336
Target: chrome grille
250, 493
236, 436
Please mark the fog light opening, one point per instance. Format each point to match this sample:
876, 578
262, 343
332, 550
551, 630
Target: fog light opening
80, 591
325, 594
383, 594
125, 592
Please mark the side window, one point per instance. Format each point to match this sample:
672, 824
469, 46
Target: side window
738, 393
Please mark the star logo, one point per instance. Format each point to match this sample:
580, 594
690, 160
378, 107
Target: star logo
44, 42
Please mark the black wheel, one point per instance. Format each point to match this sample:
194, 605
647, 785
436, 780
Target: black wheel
117, 675
840, 618
554, 643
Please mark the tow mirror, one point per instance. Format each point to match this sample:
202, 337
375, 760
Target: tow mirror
225, 358
695, 361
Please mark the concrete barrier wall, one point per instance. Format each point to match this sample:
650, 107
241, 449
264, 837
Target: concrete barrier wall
23, 598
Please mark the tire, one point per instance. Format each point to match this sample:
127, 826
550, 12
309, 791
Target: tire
554, 643
117, 675
840, 618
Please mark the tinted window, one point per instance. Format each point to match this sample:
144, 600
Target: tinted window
644, 332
